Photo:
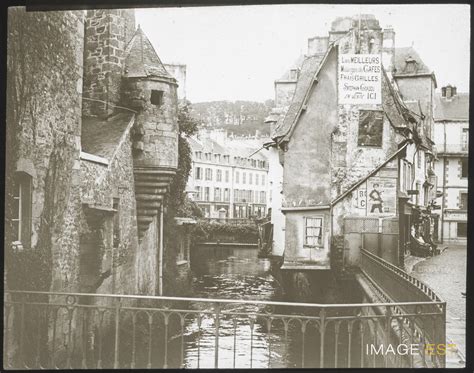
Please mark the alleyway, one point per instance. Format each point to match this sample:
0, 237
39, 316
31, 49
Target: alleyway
446, 275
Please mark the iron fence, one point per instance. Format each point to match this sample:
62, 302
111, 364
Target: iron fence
75, 330
232, 221
398, 286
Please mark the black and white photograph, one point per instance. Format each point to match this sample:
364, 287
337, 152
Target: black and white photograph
236, 186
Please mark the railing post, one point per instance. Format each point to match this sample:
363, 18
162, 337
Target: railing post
322, 317
216, 340
388, 328
118, 304
443, 333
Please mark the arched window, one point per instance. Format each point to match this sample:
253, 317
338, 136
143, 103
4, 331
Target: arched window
22, 209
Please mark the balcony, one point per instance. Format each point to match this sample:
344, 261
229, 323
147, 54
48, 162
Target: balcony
452, 149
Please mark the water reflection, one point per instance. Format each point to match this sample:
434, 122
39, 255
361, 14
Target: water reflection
236, 273
233, 273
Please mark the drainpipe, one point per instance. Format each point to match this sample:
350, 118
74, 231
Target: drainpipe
160, 254
444, 183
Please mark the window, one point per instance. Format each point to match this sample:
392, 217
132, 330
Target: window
465, 139
370, 128
226, 195
418, 188
263, 197
463, 201
227, 176
217, 194
313, 231
406, 176
206, 194
219, 175
237, 177
198, 173
198, 193
263, 180
418, 158
462, 229
244, 178
250, 178
22, 209
208, 156
156, 97
208, 174
217, 158
257, 179
226, 158
464, 167
199, 155
116, 222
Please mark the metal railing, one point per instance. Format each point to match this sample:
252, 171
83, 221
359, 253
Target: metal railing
232, 221
398, 286
75, 330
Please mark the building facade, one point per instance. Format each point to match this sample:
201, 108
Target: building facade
228, 180
362, 161
89, 168
452, 143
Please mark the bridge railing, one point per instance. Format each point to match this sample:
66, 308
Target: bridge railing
398, 286
76, 330
232, 221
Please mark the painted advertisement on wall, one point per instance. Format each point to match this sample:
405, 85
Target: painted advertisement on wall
378, 196
360, 79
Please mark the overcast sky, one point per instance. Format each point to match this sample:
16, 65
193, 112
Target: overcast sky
236, 52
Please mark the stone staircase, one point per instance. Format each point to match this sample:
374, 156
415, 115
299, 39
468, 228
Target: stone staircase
151, 185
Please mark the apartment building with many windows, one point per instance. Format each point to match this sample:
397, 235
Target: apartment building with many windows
228, 178
452, 143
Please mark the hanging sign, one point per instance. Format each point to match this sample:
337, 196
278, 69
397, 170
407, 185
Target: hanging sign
360, 79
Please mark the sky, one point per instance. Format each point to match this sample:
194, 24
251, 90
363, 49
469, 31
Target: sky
237, 52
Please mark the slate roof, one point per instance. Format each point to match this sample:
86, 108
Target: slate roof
392, 104
308, 72
142, 60
454, 109
402, 55
102, 137
296, 65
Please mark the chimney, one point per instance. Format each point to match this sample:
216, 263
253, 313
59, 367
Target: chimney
106, 31
317, 45
388, 48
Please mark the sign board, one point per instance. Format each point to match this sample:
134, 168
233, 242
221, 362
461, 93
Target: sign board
360, 79
377, 196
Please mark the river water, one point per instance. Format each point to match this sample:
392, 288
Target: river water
236, 273
232, 273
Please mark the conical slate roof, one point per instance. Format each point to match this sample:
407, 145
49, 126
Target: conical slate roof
141, 59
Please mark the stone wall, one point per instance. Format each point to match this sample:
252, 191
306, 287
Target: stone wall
158, 125
44, 84
100, 185
106, 34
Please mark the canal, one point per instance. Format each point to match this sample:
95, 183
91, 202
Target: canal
237, 273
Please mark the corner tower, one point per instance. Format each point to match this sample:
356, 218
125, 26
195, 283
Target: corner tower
151, 91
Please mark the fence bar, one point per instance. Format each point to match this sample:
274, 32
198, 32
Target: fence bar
74, 320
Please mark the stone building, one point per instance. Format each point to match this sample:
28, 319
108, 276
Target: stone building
93, 148
229, 178
345, 163
451, 132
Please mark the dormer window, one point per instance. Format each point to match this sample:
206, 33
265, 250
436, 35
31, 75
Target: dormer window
410, 65
294, 74
156, 97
